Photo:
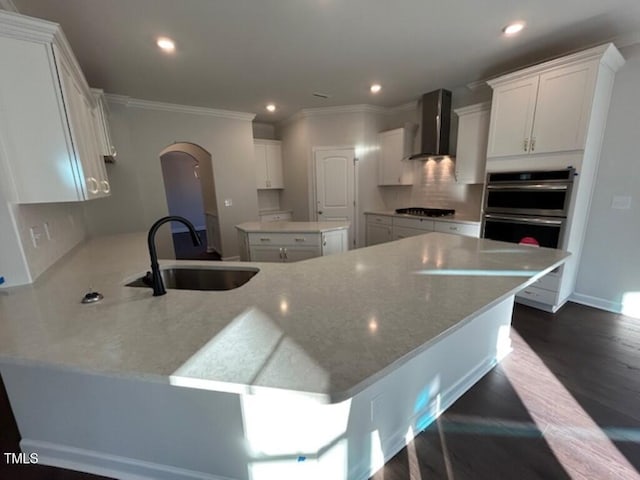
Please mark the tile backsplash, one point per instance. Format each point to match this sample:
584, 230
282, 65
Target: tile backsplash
434, 186
57, 228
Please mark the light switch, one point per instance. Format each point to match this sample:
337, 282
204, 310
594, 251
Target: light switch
228, 202
621, 202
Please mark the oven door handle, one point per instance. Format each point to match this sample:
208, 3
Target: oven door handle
524, 220
537, 186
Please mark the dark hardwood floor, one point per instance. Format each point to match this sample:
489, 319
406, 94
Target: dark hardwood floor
565, 404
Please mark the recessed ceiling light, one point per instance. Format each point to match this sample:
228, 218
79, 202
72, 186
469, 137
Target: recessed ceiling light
166, 44
375, 88
513, 28
271, 107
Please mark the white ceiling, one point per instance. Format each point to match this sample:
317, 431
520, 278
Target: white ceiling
241, 54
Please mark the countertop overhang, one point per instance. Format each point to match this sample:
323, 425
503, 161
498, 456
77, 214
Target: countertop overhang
325, 328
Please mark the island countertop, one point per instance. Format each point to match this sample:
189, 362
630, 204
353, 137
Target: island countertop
326, 327
291, 227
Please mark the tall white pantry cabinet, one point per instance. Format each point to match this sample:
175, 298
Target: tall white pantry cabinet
50, 146
553, 116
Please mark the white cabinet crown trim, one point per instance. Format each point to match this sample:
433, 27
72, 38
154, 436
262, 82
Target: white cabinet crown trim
607, 54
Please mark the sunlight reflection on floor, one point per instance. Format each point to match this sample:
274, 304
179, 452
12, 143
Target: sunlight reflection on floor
579, 444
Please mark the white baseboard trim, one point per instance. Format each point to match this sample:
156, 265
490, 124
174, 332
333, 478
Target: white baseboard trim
114, 466
235, 258
596, 302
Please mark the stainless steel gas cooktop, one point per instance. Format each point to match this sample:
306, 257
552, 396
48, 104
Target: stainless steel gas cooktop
426, 212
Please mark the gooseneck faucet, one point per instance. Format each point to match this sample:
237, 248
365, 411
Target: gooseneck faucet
156, 279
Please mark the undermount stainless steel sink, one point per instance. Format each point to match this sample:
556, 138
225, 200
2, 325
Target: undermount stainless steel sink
185, 278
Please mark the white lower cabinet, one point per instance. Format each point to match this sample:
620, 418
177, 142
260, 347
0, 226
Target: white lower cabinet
291, 247
276, 217
385, 228
379, 229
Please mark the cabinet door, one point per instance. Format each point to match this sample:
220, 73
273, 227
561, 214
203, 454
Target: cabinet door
471, 152
34, 133
512, 111
260, 158
334, 242
296, 254
378, 234
79, 123
404, 232
266, 254
563, 107
274, 166
394, 168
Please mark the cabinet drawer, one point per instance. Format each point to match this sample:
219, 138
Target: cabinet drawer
404, 232
419, 223
276, 217
285, 239
538, 295
458, 228
379, 219
550, 281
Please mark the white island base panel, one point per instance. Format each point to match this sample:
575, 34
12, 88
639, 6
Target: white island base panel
133, 429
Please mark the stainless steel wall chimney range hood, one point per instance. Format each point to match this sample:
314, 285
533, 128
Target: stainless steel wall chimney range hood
435, 122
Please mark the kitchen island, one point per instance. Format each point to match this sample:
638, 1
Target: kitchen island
287, 241
316, 369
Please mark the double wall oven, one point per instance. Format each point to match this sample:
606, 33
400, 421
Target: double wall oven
527, 207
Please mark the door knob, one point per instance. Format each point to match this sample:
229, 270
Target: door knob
319, 212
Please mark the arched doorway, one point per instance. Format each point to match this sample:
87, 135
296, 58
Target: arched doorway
187, 172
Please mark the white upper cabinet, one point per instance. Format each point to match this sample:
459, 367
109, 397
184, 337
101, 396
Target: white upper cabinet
268, 161
471, 151
395, 148
101, 116
544, 109
48, 143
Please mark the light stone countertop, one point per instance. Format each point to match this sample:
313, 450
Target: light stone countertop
459, 218
325, 327
291, 227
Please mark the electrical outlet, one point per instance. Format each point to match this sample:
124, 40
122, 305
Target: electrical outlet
228, 202
36, 236
47, 230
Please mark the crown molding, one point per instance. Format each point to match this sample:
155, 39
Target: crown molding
606, 54
405, 107
477, 107
9, 6
177, 108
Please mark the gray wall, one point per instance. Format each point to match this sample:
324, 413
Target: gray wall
138, 197
182, 188
610, 263
357, 129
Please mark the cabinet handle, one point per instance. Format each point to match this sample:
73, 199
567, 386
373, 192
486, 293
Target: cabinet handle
299, 239
533, 143
399, 179
268, 183
284, 251
389, 229
455, 229
324, 243
265, 239
96, 188
526, 144
106, 188
280, 253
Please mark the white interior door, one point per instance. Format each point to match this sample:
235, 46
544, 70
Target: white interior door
335, 187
